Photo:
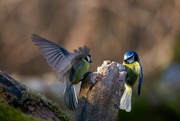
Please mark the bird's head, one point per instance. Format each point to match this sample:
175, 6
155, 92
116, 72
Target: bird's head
88, 58
130, 57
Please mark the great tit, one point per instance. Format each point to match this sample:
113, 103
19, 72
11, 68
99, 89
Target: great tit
70, 67
134, 72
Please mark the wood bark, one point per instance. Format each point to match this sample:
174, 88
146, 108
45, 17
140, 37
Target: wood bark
100, 93
13, 93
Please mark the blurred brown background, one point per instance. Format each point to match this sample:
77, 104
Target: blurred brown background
109, 28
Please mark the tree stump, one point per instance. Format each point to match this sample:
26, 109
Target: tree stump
100, 93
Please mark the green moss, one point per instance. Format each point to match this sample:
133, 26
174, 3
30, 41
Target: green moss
8, 113
40, 99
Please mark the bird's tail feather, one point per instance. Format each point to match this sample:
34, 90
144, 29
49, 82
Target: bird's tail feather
125, 103
70, 97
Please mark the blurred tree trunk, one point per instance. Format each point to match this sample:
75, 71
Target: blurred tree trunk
101, 92
19, 96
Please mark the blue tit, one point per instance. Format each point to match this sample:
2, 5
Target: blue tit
134, 72
70, 67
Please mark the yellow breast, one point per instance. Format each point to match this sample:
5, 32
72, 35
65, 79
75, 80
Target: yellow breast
134, 66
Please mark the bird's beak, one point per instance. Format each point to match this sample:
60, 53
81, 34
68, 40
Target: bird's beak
90, 61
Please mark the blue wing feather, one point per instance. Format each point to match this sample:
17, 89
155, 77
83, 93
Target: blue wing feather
52, 52
140, 79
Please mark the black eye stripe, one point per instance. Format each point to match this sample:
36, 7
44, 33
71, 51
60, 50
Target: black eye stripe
126, 61
129, 60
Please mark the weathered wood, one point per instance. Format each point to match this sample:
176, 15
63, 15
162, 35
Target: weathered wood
101, 92
13, 93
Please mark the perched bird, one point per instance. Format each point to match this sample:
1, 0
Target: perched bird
70, 67
134, 72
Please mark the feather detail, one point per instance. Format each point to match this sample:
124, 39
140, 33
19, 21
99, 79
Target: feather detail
53, 53
71, 60
125, 103
70, 97
81, 52
57, 57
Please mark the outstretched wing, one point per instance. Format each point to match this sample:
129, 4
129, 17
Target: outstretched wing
53, 53
140, 79
59, 58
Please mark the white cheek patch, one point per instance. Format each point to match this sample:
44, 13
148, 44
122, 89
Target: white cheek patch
88, 59
127, 57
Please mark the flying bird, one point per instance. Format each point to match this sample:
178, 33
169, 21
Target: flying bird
70, 67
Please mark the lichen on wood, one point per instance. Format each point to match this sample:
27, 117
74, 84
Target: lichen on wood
38, 105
